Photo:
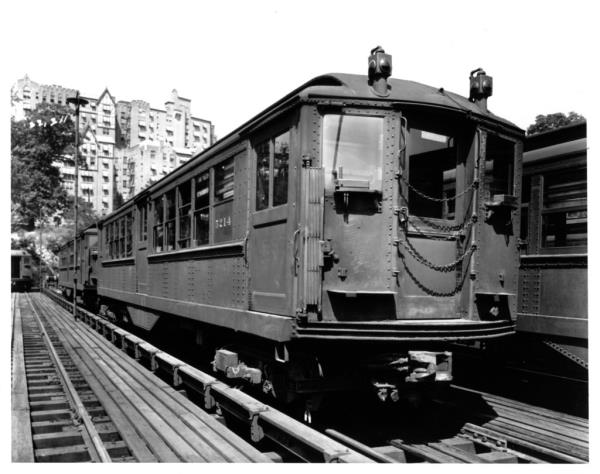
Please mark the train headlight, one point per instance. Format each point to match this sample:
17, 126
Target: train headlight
380, 68
481, 86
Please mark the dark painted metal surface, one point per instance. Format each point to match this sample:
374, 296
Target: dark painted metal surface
320, 236
554, 274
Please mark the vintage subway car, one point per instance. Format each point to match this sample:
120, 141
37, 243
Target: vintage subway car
553, 296
84, 275
21, 274
346, 234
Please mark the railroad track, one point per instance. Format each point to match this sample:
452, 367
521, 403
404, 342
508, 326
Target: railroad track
501, 431
477, 427
158, 420
68, 422
61, 377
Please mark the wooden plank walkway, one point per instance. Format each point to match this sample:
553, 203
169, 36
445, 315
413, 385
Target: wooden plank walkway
157, 422
22, 442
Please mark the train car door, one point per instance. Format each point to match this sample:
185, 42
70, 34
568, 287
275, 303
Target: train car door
141, 247
437, 185
271, 221
500, 175
356, 186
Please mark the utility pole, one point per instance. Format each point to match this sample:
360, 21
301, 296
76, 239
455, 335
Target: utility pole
77, 101
40, 252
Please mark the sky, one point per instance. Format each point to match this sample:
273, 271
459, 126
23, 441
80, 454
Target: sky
235, 58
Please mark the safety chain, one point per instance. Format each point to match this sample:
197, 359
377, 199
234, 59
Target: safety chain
431, 292
444, 228
440, 268
473, 185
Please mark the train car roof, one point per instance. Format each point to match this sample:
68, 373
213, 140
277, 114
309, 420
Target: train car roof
400, 90
566, 133
90, 229
337, 85
18, 253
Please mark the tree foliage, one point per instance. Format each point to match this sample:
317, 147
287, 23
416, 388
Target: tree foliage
85, 216
45, 136
544, 123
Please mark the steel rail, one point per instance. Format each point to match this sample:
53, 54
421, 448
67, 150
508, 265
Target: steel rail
76, 403
360, 447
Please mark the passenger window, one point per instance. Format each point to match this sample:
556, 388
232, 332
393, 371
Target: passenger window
170, 220
143, 220
223, 206
185, 210
114, 240
128, 223
262, 175
224, 180
499, 166
201, 213
158, 224
272, 170
281, 159
107, 251
564, 219
431, 174
121, 237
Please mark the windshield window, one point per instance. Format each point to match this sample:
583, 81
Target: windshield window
353, 150
432, 174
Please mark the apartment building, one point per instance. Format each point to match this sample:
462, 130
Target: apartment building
147, 162
126, 145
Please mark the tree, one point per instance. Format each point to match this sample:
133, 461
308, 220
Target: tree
118, 200
85, 216
544, 123
44, 137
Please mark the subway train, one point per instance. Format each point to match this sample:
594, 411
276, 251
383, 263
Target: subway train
21, 273
341, 238
553, 298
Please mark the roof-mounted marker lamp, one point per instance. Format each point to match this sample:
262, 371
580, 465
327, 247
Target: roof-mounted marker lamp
380, 68
481, 87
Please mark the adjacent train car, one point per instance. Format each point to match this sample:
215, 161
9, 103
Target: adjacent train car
84, 274
553, 296
344, 235
21, 273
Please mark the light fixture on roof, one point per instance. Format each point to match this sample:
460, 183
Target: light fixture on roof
481, 87
380, 68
